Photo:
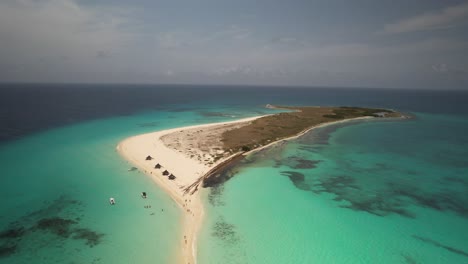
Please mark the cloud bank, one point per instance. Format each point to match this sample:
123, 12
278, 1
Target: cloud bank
445, 18
70, 41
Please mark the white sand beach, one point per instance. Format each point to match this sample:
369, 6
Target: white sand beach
188, 153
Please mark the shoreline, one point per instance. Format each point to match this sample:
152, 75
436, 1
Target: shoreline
192, 173
305, 131
187, 171
227, 162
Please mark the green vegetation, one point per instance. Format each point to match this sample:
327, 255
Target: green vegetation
351, 112
268, 129
245, 148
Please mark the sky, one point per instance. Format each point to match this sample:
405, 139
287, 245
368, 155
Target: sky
360, 43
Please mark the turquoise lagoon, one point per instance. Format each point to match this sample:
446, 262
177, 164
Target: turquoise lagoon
56, 186
365, 192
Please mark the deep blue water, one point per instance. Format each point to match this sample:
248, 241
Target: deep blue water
395, 185
28, 108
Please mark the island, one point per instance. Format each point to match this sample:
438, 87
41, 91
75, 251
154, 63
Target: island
183, 160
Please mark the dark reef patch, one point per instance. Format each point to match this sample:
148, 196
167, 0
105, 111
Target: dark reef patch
225, 231
9, 240
295, 162
47, 219
381, 166
12, 233
65, 228
92, 238
376, 168
440, 201
56, 225
346, 189
337, 185
438, 244
52, 208
457, 160
456, 180
7, 250
298, 179
214, 197
379, 205
408, 259
390, 198
312, 148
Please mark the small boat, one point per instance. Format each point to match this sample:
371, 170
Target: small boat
112, 201
143, 194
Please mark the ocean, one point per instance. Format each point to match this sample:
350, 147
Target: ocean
385, 191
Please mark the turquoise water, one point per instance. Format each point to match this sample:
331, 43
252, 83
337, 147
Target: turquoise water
376, 192
69, 174
56, 186
368, 192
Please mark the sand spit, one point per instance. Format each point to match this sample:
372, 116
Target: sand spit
188, 153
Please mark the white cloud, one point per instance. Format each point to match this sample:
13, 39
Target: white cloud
35, 33
285, 40
446, 69
308, 53
252, 71
181, 39
445, 18
233, 32
64, 40
440, 67
170, 40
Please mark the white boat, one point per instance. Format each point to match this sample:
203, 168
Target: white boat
112, 201
143, 194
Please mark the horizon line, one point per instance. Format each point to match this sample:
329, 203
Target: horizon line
231, 85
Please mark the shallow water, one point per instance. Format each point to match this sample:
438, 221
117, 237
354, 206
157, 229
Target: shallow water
401, 184
56, 186
369, 192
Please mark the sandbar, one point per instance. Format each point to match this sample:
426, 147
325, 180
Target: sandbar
192, 153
